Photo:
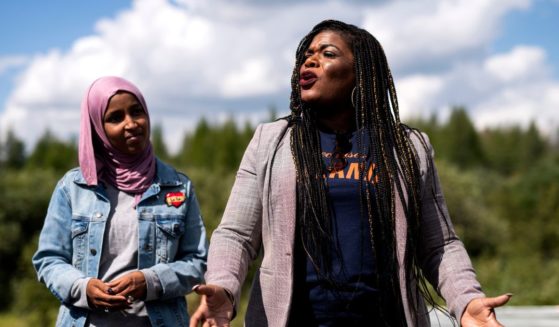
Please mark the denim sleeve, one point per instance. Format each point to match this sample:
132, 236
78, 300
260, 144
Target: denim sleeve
53, 259
189, 265
78, 293
153, 286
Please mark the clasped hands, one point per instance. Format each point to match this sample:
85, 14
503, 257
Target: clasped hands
117, 294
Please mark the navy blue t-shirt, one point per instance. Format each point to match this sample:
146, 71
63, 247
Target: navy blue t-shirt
353, 266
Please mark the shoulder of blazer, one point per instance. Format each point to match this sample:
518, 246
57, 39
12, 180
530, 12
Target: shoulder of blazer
270, 131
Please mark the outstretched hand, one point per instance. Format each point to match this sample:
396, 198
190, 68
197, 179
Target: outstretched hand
215, 310
480, 312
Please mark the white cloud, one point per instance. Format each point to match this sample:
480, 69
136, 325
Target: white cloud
532, 102
219, 58
415, 94
510, 88
521, 64
419, 33
190, 58
9, 62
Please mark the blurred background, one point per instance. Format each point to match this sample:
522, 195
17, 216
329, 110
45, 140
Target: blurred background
480, 77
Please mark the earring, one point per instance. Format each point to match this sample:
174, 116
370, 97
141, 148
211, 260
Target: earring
353, 96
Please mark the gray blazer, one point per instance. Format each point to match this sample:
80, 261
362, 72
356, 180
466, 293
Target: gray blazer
260, 213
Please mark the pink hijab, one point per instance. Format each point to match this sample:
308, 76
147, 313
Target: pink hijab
98, 158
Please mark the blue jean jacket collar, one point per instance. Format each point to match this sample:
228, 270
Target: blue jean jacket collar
166, 177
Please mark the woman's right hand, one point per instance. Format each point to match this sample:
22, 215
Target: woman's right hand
100, 296
216, 308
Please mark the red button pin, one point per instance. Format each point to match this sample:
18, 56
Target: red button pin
175, 199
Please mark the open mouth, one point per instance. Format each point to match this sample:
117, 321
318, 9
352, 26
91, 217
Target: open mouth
307, 79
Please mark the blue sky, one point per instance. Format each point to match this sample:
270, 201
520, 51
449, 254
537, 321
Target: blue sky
537, 25
219, 58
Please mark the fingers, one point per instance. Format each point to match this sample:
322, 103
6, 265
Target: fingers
196, 318
494, 302
98, 295
132, 285
208, 290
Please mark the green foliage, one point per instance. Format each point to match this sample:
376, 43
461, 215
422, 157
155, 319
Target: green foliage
32, 301
158, 144
195, 149
54, 154
510, 150
532, 210
215, 147
501, 187
466, 193
23, 205
532, 280
12, 152
459, 141
212, 190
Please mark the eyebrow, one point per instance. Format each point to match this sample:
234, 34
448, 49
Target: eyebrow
324, 46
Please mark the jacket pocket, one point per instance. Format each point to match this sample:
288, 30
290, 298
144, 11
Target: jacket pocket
169, 232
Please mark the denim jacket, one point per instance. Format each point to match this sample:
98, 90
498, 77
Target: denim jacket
171, 242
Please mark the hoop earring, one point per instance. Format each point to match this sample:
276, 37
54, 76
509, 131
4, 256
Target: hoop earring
353, 98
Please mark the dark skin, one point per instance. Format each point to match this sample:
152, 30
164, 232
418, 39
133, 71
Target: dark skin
115, 294
126, 126
327, 78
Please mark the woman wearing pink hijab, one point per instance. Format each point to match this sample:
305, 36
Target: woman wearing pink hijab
123, 240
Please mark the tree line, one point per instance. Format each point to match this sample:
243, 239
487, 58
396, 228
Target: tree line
501, 186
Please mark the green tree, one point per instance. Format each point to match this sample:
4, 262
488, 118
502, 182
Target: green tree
459, 141
467, 195
32, 300
228, 146
51, 153
510, 150
195, 149
158, 143
13, 151
23, 206
429, 126
532, 147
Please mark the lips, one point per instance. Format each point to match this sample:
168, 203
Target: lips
307, 79
133, 138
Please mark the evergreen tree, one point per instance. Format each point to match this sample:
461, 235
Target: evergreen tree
510, 150
13, 151
50, 153
228, 145
532, 147
197, 148
158, 143
460, 142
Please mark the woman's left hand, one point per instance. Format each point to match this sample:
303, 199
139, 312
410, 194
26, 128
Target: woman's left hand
132, 286
480, 312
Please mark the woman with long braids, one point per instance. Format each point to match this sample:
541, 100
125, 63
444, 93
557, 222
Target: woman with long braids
346, 205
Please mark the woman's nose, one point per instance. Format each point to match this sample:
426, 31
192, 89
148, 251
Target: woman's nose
130, 122
311, 61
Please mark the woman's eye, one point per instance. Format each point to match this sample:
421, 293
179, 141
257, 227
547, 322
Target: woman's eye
329, 54
138, 111
115, 118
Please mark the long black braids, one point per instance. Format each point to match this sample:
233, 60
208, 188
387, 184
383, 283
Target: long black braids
397, 171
